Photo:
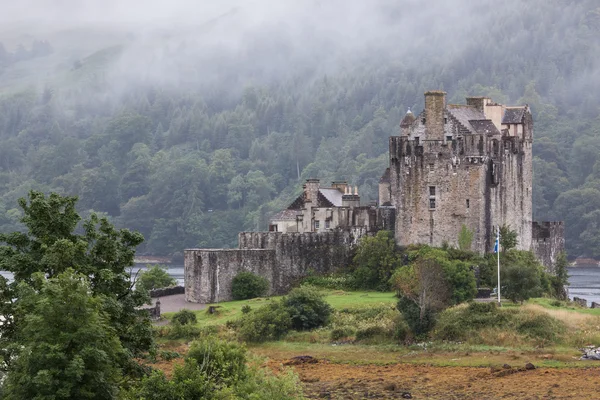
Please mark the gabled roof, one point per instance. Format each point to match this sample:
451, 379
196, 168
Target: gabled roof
513, 115
286, 215
485, 127
465, 114
333, 196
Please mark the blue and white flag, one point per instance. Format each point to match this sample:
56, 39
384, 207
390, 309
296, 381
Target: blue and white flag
497, 244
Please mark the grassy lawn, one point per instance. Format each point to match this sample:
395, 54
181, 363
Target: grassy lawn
338, 299
580, 322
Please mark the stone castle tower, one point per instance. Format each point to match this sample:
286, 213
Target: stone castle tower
456, 165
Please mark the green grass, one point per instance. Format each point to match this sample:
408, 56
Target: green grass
338, 299
436, 354
567, 306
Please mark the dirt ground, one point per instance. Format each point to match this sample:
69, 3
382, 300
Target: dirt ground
324, 380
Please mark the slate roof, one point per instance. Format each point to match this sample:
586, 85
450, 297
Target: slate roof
465, 114
513, 115
408, 119
334, 196
286, 215
485, 127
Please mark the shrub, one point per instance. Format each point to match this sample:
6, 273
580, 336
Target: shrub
246, 309
247, 285
307, 308
541, 327
217, 369
371, 332
459, 323
184, 317
419, 324
269, 322
221, 361
155, 277
375, 259
341, 333
169, 355
335, 282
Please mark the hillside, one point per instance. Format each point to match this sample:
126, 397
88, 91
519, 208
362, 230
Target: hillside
190, 131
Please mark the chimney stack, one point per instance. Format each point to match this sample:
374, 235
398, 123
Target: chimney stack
435, 105
311, 191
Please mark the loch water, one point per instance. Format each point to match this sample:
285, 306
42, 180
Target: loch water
584, 282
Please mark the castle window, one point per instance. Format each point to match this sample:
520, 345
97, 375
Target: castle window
431, 167
317, 224
432, 190
432, 203
468, 203
449, 138
423, 121
327, 224
416, 141
445, 120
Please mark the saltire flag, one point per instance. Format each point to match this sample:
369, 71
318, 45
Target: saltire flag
497, 244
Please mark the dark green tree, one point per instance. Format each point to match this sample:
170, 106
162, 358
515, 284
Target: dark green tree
375, 259
100, 253
155, 277
70, 351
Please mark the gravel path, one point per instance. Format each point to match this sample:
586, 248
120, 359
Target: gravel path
175, 303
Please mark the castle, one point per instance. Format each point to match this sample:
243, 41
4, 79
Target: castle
451, 166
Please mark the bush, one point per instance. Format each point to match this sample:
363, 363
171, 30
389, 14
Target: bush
418, 325
375, 259
184, 317
459, 323
541, 327
217, 369
247, 285
335, 282
269, 322
371, 332
221, 361
307, 308
155, 277
341, 333
246, 309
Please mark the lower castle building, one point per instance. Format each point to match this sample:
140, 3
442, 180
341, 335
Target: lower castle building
450, 166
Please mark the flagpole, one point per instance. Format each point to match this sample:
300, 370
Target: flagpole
498, 255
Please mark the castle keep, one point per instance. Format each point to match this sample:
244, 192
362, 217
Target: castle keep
450, 166
456, 165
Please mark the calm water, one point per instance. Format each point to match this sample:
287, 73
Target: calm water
584, 281
176, 271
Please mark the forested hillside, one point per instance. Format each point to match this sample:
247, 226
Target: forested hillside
194, 131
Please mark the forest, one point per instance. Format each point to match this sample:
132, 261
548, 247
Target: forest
193, 132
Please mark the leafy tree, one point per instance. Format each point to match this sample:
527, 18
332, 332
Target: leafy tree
246, 285
307, 308
560, 278
520, 282
155, 277
465, 238
100, 253
69, 349
374, 261
423, 284
508, 238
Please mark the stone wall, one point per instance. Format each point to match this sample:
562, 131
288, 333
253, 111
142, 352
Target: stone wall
548, 242
167, 291
282, 258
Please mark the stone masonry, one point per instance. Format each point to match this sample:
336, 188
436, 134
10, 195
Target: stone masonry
451, 165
